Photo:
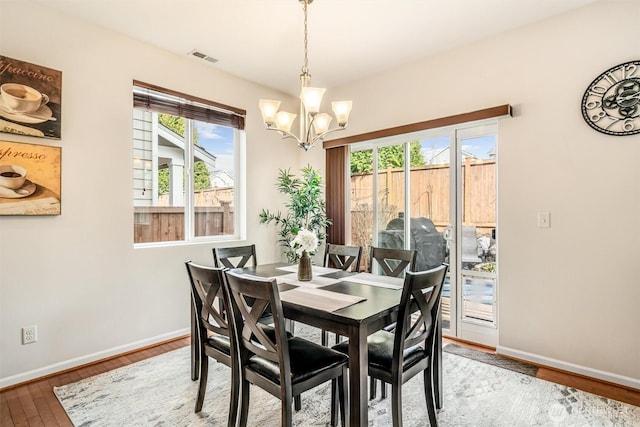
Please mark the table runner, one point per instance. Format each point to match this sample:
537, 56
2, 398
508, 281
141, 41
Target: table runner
319, 299
316, 269
376, 280
315, 282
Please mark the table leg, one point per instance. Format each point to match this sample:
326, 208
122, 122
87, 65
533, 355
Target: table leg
358, 372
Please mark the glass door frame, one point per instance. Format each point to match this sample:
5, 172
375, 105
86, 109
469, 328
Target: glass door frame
482, 332
463, 327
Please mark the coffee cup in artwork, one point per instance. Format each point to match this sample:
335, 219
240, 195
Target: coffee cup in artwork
22, 98
12, 176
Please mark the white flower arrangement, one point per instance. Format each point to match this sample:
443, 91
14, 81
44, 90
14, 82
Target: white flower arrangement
305, 240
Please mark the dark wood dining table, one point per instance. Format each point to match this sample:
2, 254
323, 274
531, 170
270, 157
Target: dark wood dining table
356, 322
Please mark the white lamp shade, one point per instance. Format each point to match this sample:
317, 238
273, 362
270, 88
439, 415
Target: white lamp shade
341, 109
269, 109
284, 121
311, 98
321, 123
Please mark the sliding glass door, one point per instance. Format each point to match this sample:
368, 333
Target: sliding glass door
435, 191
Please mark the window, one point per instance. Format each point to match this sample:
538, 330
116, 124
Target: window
186, 167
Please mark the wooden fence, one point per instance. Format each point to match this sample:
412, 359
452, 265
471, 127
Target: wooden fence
430, 189
166, 223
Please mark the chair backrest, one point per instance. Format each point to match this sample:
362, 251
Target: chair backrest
346, 258
250, 298
419, 310
206, 286
392, 261
223, 257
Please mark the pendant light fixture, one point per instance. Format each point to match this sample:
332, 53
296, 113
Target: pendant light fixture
314, 125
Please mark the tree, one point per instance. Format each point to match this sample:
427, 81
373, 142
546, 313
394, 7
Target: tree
391, 156
201, 180
176, 124
163, 181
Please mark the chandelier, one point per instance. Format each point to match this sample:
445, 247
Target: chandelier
314, 126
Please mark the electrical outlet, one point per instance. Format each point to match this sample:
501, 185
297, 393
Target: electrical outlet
29, 334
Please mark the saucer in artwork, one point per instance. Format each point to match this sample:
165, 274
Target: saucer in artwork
41, 115
26, 190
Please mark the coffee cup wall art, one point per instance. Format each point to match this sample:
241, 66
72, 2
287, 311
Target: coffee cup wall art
29, 179
30, 99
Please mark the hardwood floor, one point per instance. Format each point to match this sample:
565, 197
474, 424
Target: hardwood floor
34, 404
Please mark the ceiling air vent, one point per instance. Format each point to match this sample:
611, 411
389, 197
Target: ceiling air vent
204, 56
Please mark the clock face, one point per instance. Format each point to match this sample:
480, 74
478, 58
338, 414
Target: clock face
611, 103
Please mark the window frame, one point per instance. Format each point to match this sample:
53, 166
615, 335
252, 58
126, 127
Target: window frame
157, 100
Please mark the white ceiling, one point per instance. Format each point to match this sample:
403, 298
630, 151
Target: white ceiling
262, 40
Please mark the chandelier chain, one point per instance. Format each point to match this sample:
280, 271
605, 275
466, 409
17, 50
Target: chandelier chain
305, 65
314, 125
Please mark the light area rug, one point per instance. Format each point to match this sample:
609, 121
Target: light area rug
159, 392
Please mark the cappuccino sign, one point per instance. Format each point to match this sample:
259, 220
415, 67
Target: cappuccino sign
30, 99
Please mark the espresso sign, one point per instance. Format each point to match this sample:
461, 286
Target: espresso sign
30, 99
29, 179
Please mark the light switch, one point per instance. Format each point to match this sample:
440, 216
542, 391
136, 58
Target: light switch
544, 219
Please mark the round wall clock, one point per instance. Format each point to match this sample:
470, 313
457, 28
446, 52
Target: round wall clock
611, 103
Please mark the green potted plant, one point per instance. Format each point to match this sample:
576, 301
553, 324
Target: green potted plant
305, 209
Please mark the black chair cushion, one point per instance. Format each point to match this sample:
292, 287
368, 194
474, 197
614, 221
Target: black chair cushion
220, 343
307, 359
381, 351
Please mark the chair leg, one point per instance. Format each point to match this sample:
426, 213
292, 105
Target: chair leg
286, 413
235, 396
289, 325
334, 403
383, 390
396, 405
339, 387
430, 396
343, 389
202, 387
297, 403
324, 338
195, 346
244, 403
372, 388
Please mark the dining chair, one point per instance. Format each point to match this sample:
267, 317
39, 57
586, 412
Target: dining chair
235, 257
346, 258
238, 257
211, 306
397, 356
393, 262
284, 366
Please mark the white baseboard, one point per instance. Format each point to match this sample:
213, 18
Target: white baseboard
83, 360
570, 367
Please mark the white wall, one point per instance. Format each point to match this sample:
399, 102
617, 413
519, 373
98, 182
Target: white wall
77, 276
568, 295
